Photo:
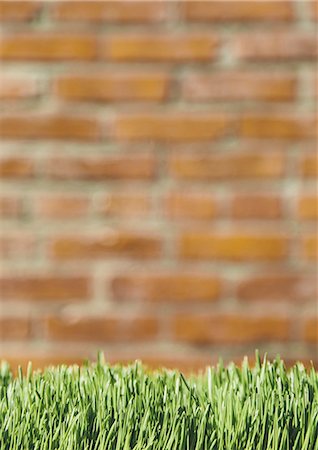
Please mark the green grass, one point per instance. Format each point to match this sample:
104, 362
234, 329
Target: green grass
119, 408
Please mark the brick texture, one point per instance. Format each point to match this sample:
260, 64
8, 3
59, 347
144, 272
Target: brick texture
158, 175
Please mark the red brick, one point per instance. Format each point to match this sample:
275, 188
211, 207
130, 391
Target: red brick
190, 205
240, 165
277, 126
307, 207
172, 127
62, 206
238, 86
102, 329
280, 287
276, 46
46, 126
126, 204
309, 165
310, 247
230, 329
11, 207
14, 328
160, 47
136, 166
44, 287
233, 247
110, 11
19, 11
311, 330
166, 287
116, 243
241, 11
16, 167
41, 46
113, 87
17, 244
256, 206
14, 88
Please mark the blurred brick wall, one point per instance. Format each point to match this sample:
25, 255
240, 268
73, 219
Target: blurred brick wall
158, 180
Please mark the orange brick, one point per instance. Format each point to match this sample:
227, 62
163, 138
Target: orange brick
280, 287
242, 11
166, 287
47, 47
276, 46
113, 87
233, 247
160, 48
126, 204
240, 165
19, 11
256, 206
44, 287
115, 243
311, 330
307, 207
17, 244
42, 359
190, 205
172, 127
49, 127
62, 206
16, 167
238, 86
310, 247
10, 207
110, 11
14, 328
136, 166
100, 329
230, 329
309, 165
277, 126
13, 88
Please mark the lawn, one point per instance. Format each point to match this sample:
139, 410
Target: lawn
98, 406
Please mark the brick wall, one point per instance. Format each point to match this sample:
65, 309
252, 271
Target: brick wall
158, 180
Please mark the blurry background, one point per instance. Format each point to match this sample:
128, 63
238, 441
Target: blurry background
158, 181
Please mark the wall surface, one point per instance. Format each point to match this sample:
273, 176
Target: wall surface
158, 180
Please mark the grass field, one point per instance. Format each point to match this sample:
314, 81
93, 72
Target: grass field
119, 408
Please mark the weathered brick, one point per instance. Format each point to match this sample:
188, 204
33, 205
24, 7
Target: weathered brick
136, 166
239, 85
14, 88
16, 167
173, 127
311, 330
256, 206
234, 247
230, 329
41, 46
17, 244
307, 207
282, 287
240, 165
276, 46
110, 11
61, 206
44, 287
310, 247
51, 126
113, 87
309, 165
103, 245
166, 287
111, 328
19, 11
190, 205
11, 207
276, 126
241, 11
14, 328
125, 204
160, 47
